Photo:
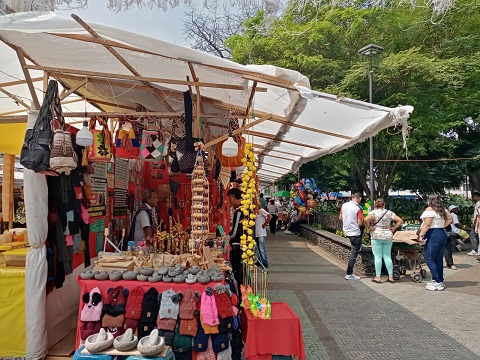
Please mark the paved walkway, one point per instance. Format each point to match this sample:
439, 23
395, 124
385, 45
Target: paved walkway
361, 320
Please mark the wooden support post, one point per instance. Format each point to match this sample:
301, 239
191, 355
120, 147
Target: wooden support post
7, 189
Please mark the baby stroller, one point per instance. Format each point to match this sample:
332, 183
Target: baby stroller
408, 258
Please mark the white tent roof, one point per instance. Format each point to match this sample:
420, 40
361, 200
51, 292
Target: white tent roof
118, 70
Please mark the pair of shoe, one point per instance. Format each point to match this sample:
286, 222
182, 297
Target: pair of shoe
453, 267
288, 232
472, 253
459, 247
352, 277
434, 286
376, 281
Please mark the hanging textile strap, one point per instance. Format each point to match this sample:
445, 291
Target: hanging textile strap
187, 100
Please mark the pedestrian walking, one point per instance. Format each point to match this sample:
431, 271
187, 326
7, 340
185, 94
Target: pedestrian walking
432, 233
352, 218
474, 232
379, 222
261, 222
273, 210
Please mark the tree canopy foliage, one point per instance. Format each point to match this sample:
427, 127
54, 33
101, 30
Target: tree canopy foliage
434, 66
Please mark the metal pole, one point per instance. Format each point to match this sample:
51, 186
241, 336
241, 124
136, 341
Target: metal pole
370, 99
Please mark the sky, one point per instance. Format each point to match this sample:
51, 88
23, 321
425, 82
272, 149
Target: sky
164, 25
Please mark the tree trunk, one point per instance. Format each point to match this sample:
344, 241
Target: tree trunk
474, 181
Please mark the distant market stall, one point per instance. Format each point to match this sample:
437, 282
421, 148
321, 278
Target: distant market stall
126, 75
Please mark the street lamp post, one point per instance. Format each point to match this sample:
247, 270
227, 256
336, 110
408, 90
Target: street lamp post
370, 51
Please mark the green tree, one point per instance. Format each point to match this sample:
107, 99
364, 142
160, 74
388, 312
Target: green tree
432, 65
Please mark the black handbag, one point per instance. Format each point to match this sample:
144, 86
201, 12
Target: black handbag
35, 153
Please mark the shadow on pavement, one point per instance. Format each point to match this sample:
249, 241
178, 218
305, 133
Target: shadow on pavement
461, 284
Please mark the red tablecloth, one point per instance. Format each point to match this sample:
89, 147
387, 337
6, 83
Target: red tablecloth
281, 335
88, 285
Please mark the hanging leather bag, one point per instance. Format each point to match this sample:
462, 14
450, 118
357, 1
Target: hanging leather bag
35, 153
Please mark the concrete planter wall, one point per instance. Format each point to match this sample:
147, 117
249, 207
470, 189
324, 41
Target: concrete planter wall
328, 220
339, 247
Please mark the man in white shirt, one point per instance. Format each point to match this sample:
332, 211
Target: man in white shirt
455, 226
144, 222
261, 223
352, 219
474, 232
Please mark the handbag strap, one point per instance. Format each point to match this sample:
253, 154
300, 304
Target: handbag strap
381, 217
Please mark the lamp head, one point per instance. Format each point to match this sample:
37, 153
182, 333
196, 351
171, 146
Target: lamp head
84, 136
230, 147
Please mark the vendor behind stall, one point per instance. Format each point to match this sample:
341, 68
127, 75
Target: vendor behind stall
236, 230
144, 222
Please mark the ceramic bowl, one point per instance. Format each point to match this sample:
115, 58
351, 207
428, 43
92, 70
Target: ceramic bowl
98, 342
101, 275
129, 275
115, 275
167, 279
146, 271
163, 270
87, 274
141, 277
203, 279
217, 277
125, 342
155, 277
152, 344
191, 279
179, 278
194, 270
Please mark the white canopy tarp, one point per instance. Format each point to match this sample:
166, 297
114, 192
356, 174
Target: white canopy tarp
119, 72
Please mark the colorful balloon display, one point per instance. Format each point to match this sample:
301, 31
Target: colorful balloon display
303, 194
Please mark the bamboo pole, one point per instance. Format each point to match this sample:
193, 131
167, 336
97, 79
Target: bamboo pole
7, 189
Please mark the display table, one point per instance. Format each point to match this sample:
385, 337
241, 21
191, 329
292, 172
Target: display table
12, 312
281, 335
104, 285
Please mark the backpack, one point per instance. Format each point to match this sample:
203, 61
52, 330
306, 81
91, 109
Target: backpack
35, 153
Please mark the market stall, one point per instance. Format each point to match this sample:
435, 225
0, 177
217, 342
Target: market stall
273, 108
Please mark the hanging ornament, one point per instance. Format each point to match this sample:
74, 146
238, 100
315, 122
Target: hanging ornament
247, 239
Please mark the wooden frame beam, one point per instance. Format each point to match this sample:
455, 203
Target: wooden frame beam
270, 171
19, 82
237, 131
250, 99
274, 156
274, 138
73, 89
308, 128
248, 75
124, 62
28, 79
15, 98
196, 122
275, 165
60, 71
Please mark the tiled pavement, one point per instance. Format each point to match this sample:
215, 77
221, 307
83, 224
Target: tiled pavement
361, 320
